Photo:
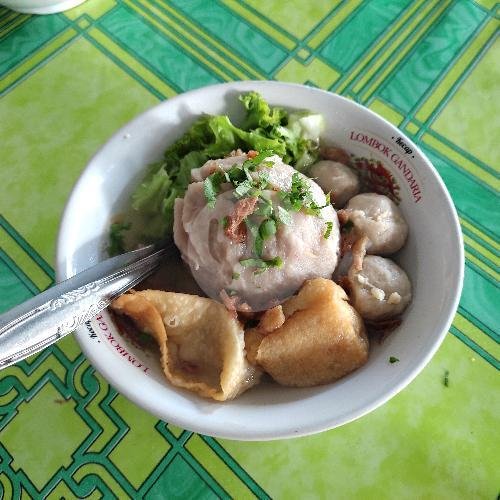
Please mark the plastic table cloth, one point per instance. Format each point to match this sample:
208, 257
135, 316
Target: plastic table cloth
69, 80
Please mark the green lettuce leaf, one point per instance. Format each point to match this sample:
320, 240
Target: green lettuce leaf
150, 200
259, 114
149, 196
116, 243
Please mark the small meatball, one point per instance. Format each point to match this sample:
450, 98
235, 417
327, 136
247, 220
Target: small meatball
380, 290
377, 217
338, 179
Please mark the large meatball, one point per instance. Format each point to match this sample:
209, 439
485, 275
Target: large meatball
338, 179
380, 290
379, 219
305, 247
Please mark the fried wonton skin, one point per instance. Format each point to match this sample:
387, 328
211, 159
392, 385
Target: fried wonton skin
201, 344
269, 321
322, 339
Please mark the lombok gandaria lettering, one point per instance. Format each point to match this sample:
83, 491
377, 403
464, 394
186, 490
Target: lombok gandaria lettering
396, 154
107, 333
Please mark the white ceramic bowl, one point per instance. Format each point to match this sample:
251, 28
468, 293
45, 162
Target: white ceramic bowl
40, 6
432, 256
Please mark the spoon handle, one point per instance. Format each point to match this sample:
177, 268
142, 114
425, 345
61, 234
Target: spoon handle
39, 322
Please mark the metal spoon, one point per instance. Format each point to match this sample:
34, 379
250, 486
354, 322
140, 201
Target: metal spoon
39, 322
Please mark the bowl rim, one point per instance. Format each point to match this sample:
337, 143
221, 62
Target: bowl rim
145, 402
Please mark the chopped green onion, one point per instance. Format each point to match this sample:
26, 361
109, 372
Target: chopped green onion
258, 245
253, 228
329, 226
253, 163
313, 209
267, 229
263, 180
236, 175
242, 189
255, 192
265, 208
251, 262
446, 379
300, 197
392, 360
274, 262
247, 173
258, 241
261, 263
211, 187
283, 216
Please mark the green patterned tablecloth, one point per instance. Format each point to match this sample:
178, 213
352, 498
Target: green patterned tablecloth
69, 80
